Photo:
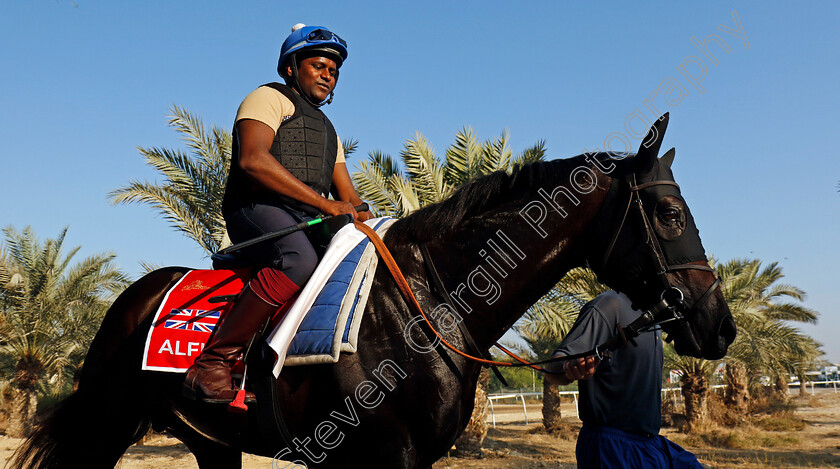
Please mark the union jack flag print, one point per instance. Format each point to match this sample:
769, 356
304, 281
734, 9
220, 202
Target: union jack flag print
188, 319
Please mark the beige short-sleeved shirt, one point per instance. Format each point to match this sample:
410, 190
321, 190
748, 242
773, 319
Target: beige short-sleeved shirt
271, 107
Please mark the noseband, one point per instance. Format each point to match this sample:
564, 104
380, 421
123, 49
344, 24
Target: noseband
672, 298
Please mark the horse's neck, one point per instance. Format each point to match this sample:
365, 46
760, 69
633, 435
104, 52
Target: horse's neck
506, 268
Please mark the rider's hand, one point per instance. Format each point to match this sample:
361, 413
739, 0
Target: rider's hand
338, 207
364, 216
581, 368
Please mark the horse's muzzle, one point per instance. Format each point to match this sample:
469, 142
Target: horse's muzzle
725, 335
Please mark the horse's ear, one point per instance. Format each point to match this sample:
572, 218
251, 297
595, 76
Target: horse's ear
649, 149
668, 158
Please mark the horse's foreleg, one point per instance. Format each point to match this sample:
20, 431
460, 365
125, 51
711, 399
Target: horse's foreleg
208, 454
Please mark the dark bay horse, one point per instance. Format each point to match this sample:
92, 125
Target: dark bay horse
499, 244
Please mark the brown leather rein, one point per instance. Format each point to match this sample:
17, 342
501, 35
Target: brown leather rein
623, 336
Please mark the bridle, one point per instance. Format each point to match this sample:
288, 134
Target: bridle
676, 307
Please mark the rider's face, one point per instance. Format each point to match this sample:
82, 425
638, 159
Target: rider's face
317, 77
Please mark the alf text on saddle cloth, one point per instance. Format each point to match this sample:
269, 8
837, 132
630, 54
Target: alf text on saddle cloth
322, 322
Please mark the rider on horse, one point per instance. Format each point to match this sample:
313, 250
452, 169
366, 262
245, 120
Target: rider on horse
286, 158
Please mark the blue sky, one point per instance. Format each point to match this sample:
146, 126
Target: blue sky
85, 83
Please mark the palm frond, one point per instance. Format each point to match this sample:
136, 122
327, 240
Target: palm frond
496, 154
350, 146
374, 184
149, 267
190, 195
424, 170
410, 198
463, 158
532, 154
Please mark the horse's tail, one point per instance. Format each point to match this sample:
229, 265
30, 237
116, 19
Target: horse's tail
112, 408
76, 434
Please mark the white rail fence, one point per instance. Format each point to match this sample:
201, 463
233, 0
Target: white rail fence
674, 393
521, 397
822, 384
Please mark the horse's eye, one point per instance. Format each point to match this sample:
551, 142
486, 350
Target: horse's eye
670, 217
671, 214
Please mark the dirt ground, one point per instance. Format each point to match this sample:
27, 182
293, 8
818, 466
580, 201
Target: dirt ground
525, 446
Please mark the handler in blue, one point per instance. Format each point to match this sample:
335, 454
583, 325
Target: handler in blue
286, 158
621, 396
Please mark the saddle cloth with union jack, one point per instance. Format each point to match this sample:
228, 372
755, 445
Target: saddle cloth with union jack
320, 323
187, 317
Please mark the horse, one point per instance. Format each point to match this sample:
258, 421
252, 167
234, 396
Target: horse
498, 244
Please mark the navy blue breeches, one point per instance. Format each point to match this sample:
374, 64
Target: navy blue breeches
291, 257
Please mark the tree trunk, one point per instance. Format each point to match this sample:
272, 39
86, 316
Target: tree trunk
694, 391
21, 417
24, 396
737, 388
469, 443
781, 388
803, 386
551, 407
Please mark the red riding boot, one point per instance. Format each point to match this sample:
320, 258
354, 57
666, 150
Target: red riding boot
209, 377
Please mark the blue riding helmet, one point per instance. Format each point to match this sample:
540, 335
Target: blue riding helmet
312, 38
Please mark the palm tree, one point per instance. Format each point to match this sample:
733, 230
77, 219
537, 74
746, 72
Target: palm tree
190, 198
427, 179
766, 343
760, 305
694, 387
542, 327
49, 311
546, 323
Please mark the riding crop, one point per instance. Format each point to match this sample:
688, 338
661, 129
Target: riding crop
285, 231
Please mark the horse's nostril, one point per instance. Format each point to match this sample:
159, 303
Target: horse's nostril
727, 330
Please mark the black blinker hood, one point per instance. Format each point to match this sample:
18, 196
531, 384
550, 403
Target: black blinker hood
687, 247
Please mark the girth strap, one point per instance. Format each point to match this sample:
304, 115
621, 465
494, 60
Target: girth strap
264, 385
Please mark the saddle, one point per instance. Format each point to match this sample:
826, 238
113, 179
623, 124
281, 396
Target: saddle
192, 308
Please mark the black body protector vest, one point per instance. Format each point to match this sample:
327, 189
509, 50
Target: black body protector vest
305, 144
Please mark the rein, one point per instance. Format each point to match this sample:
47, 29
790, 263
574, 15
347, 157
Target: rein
645, 322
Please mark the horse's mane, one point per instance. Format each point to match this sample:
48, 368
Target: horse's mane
479, 195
